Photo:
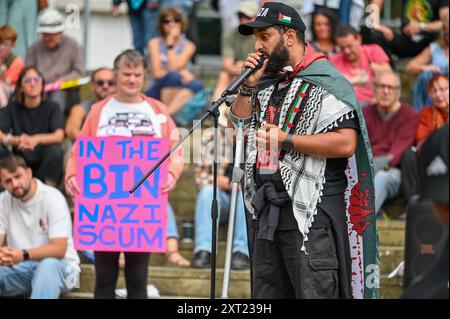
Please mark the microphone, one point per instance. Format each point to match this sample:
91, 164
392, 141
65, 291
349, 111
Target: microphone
244, 75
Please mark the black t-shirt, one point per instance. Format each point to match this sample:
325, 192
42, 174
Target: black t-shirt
17, 119
422, 11
335, 178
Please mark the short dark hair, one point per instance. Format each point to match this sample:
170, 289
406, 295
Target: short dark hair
12, 162
18, 93
282, 29
94, 73
345, 30
332, 20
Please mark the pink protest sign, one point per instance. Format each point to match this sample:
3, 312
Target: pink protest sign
109, 218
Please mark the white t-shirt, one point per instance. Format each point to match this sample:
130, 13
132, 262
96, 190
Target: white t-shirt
122, 119
32, 224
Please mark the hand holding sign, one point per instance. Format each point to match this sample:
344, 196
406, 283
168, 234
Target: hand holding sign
72, 186
170, 184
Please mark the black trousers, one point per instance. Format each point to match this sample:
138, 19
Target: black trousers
46, 161
107, 272
280, 270
412, 180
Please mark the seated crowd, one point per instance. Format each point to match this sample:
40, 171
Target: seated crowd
36, 119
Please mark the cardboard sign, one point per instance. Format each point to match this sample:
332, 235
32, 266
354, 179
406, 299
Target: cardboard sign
109, 218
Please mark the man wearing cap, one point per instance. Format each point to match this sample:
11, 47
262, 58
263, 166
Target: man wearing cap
434, 167
303, 125
58, 57
235, 48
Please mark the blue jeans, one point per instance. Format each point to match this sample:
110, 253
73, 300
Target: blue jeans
172, 230
144, 27
45, 279
387, 186
185, 6
203, 220
172, 80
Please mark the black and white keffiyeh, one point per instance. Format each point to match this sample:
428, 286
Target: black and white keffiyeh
302, 175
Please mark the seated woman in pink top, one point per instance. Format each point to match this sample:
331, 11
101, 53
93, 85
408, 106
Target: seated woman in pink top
10, 64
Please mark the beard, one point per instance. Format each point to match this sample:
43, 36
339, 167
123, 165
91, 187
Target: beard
21, 192
279, 58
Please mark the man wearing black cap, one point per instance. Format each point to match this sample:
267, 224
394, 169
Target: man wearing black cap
306, 111
434, 167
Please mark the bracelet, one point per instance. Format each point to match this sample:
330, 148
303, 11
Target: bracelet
246, 90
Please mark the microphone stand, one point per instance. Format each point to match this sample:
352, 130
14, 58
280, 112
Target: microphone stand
237, 175
213, 111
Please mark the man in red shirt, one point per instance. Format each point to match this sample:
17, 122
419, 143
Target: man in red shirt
358, 62
391, 126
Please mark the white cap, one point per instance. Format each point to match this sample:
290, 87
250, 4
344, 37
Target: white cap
50, 21
248, 8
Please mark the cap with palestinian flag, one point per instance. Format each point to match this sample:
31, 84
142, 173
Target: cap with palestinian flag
274, 13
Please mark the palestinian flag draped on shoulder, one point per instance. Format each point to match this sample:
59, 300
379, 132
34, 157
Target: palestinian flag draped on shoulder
360, 195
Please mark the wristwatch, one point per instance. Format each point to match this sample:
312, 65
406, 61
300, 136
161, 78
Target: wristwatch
287, 144
26, 255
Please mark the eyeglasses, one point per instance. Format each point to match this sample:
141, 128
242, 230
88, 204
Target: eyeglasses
30, 79
102, 82
385, 86
168, 21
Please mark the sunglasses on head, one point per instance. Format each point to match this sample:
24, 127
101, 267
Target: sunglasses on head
102, 82
30, 79
168, 21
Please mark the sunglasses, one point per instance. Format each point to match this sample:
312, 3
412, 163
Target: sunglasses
168, 21
102, 82
30, 79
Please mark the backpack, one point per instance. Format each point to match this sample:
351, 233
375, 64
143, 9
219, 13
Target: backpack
199, 102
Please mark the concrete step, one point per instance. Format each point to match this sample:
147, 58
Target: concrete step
195, 283
390, 256
391, 288
391, 233
90, 295
172, 281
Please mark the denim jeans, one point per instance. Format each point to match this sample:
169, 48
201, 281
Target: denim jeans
172, 80
387, 186
172, 230
45, 279
203, 220
144, 27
